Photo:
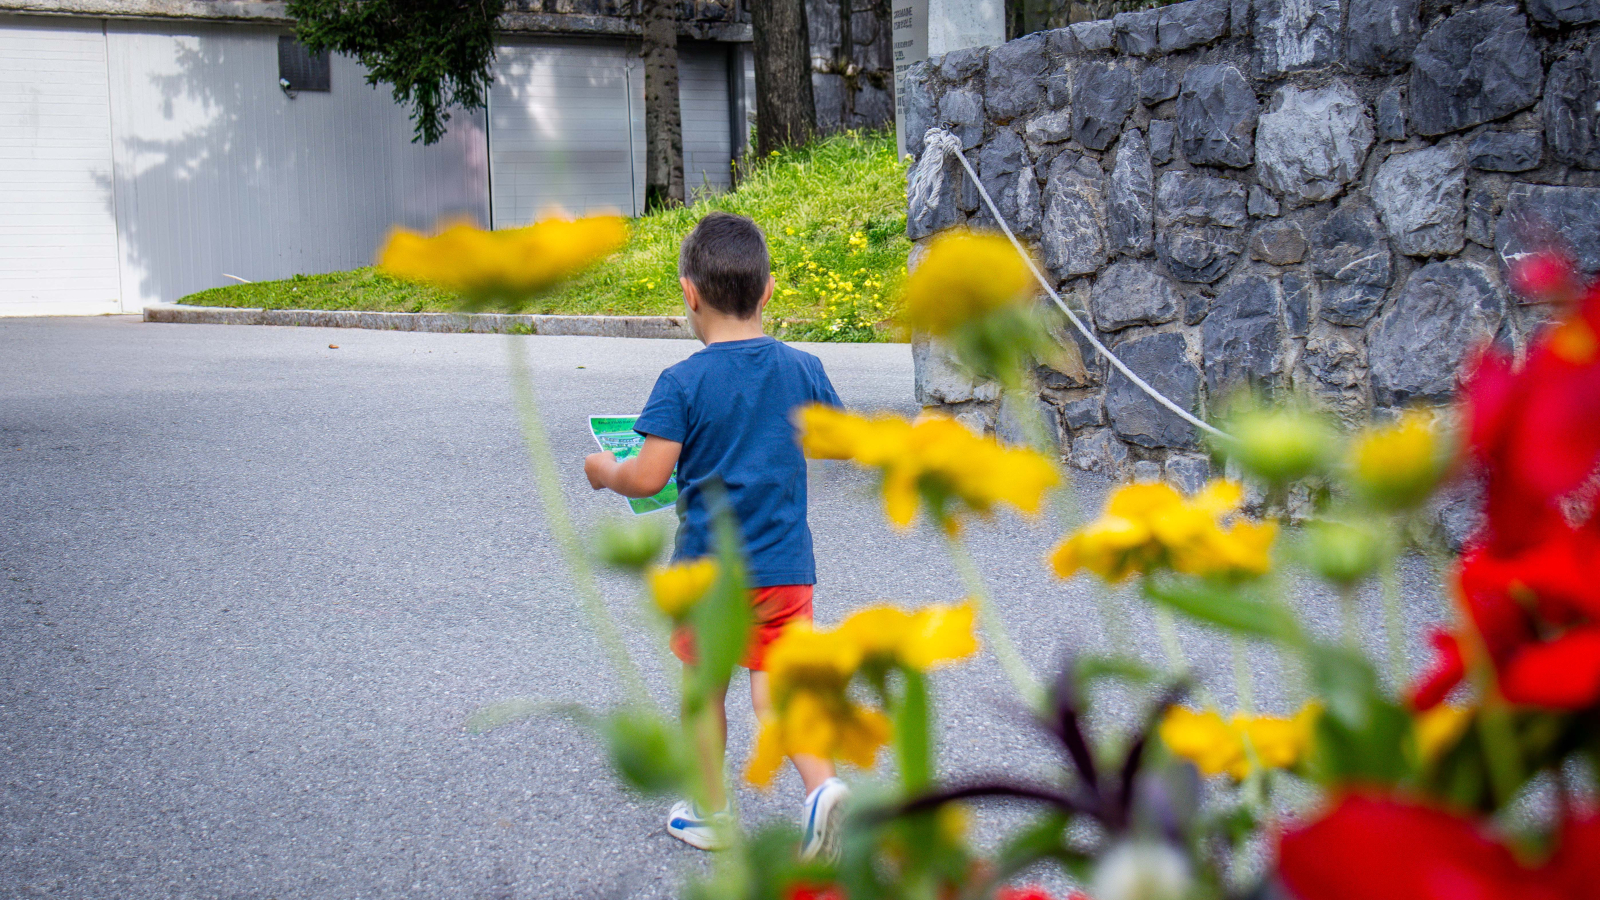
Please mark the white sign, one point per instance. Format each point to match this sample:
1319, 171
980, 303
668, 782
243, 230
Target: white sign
909, 39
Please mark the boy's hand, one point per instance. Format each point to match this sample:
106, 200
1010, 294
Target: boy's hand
597, 467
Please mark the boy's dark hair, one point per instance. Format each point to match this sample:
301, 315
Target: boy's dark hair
726, 258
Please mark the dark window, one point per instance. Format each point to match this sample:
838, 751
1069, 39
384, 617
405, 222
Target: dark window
299, 69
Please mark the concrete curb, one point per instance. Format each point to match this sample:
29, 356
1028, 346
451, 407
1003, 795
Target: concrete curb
672, 327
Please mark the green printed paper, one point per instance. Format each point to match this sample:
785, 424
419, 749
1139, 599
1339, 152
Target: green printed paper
615, 433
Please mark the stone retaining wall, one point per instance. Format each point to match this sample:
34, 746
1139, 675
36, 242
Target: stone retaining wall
1310, 195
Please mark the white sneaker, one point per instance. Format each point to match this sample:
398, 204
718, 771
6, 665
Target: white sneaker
823, 820
688, 824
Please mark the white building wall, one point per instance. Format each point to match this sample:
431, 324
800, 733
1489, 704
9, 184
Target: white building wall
58, 236
219, 173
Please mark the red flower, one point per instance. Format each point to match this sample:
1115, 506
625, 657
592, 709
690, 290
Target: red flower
1030, 892
1380, 848
1528, 583
804, 891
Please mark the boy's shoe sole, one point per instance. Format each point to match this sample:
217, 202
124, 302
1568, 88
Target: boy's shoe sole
824, 820
686, 824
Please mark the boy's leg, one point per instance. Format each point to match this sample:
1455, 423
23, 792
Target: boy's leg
710, 741
813, 770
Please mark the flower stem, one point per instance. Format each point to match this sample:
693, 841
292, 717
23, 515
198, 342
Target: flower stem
555, 509
1243, 686
1005, 651
1394, 620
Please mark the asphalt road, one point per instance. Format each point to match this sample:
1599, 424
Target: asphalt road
252, 586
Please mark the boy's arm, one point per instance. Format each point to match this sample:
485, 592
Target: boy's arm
642, 476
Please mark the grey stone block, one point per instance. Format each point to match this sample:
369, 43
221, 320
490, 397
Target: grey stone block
1074, 243
922, 105
1137, 32
1062, 43
1296, 35
1147, 471
1335, 368
1556, 13
1093, 36
1506, 151
1199, 225
1242, 335
1473, 67
1421, 197
1098, 450
1011, 428
1006, 174
959, 65
1261, 203
1084, 412
1188, 474
1392, 113
1132, 292
1314, 143
1380, 35
1351, 253
938, 380
1051, 127
1162, 361
1445, 311
1535, 210
1482, 210
1217, 117
961, 111
1571, 109
1102, 97
1014, 85
1130, 211
1195, 307
1192, 24
1298, 295
1278, 243
1162, 134
1350, 304
1156, 84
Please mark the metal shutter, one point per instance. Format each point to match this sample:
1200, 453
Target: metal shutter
703, 97
58, 233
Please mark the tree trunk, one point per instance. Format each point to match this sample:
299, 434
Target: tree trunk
786, 112
663, 119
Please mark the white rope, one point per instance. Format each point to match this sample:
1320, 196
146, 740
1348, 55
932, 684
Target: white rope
946, 143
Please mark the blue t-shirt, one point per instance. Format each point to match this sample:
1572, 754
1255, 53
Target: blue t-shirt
729, 406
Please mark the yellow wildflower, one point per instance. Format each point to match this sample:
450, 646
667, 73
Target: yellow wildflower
935, 458
921, 640
965, 276
678, 587
1398, 465
508, 266
1149, 526
1217, 746
1438, 730
811, 714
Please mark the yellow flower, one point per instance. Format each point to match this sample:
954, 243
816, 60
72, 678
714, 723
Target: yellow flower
965, 276
678, 587
1397, 465
1438, 730
935, 458
1217, 746
508, 266
1150, 526
921, 640
808, 672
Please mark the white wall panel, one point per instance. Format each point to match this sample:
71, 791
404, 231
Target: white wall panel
58, 236
566, 126
703, 97
220, 173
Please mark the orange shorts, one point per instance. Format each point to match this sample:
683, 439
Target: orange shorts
773, 607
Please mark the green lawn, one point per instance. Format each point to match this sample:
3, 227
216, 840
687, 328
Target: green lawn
834, 213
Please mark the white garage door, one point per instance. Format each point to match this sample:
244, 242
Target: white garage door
566, 126
58, 232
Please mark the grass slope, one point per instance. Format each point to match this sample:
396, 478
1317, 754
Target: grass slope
834, 213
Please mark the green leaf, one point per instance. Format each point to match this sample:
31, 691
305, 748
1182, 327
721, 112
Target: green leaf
1094, 667
722, 620
1230, 607
1362, 735
648, 752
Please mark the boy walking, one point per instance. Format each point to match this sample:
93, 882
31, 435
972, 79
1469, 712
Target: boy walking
723, 414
